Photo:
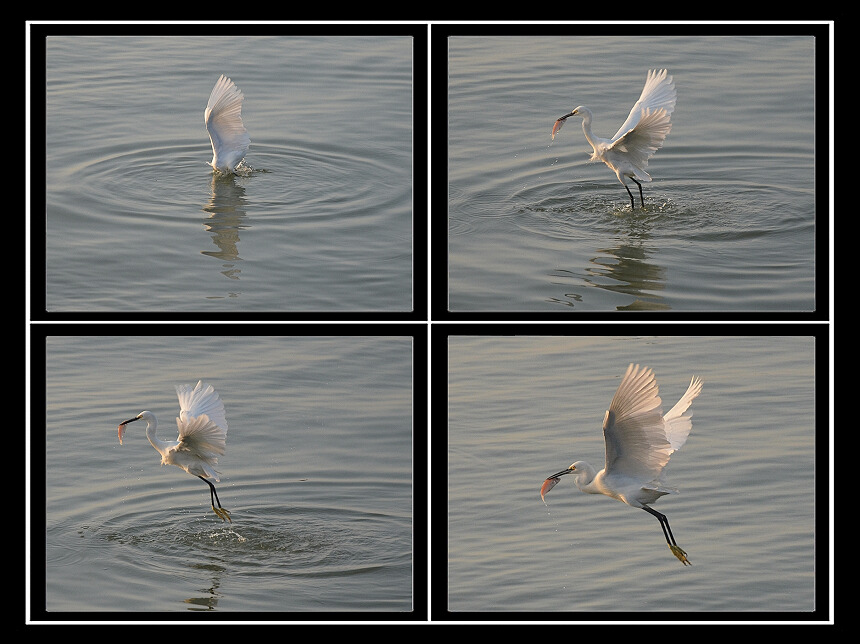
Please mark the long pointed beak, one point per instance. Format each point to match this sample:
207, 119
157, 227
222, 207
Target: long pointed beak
121, 429
557, 474
551, 482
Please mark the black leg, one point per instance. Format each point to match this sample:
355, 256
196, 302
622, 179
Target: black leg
670, 538
641, 198
664, 523
213, 496
632, 203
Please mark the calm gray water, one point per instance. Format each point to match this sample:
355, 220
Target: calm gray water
137, 222
730, 218
522, 408
317, 476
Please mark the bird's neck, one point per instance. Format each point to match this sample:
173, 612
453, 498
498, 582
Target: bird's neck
160, 445
586, 129
586, 479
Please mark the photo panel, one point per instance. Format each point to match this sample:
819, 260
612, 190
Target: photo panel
323, 475
325, 217
744, 496
733, 222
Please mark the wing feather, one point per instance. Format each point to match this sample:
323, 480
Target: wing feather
639, 439
636, 444
223, 118
202, 437
641, 142
199, 400
658, 93
678, 424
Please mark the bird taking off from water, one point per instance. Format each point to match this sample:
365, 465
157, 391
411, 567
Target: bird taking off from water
639, 441
202, 436
223, 118
642, 134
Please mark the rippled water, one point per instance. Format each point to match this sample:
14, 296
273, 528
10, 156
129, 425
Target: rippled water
730, 218
321, 219
317, 477
521, 407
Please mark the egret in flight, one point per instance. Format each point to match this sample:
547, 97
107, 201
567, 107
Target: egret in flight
202, 436
642, 134
223, 118
639, 441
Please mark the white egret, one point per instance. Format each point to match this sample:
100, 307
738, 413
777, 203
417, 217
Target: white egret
639, 441
202, 436
642, 134
223, 118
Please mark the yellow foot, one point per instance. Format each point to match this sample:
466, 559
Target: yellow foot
222, 513
682, 556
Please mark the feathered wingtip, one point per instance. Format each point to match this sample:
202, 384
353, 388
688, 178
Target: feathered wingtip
224, 87
663, 87
678, 423
201, 399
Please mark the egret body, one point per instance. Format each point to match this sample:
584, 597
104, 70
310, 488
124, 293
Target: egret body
639, 441
223, 118
202, 436
641, 135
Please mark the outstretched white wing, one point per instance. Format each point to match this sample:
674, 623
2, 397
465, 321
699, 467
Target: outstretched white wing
649, 122
223, 118
658, 94
199, 400
636, 444
639, 439
202, 430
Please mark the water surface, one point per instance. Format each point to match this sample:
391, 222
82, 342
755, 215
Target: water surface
317, 475
521, 408
730, 218
137, 222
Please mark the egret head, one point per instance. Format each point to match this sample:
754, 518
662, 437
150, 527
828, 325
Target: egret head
582, 111
578, 111
148, 416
